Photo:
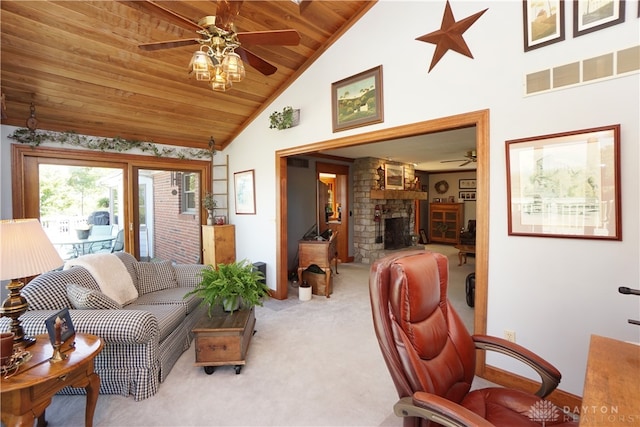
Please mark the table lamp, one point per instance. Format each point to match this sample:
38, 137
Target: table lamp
25, 251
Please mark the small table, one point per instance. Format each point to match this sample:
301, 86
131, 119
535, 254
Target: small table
463, 250
223, 338
82, 246
26, 395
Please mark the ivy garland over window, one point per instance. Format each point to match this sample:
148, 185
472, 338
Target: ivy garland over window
35, 138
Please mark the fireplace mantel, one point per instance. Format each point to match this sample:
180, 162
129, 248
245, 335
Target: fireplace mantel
398, 195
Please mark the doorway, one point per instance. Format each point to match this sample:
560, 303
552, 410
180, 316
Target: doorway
334, 201
479, 120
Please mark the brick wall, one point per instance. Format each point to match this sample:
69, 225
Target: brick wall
365, 229
177, 235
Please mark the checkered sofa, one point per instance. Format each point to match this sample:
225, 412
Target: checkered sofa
142, 340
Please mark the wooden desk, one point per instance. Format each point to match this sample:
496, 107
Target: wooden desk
26, 395
318, 252
611, 395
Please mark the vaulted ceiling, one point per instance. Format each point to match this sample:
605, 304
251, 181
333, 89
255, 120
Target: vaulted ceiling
78, 63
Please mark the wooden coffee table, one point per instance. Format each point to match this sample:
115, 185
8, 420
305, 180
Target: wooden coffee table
463, 250
223, 338
26, 394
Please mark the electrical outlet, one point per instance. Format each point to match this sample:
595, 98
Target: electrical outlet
510, 335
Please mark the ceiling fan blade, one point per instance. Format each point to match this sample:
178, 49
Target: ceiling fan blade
226, 13
255, 61
465, 163
169, 44
274, 37
173, 16
449, 161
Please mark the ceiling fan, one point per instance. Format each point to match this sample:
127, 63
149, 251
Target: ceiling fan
221, 54
469, 157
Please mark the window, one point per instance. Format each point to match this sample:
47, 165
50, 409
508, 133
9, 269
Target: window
189, 188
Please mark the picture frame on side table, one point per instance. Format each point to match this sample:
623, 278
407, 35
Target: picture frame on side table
565, 184
543, 23
357, 100
393, 177
245, 196
606, 14
66, 326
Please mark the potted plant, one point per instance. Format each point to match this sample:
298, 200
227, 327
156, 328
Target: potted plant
233, 285
285, 119
210, 204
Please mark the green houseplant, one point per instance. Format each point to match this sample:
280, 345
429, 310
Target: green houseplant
232, 285
285, 119
210, 204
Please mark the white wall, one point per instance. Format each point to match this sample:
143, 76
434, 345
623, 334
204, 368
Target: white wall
553, 292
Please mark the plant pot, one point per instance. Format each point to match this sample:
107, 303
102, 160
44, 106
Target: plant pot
83, 234
304, 292
231, 304
209, 217
6, 347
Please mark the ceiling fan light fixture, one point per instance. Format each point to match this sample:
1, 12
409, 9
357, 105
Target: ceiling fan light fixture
220, 82
201, 65
233, 67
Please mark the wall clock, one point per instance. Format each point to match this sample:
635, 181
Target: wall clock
442, 187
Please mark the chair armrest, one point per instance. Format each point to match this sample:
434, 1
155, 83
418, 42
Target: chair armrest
439, 410
549, 375
115, 326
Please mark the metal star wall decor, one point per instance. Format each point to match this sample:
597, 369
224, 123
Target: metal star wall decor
449, 36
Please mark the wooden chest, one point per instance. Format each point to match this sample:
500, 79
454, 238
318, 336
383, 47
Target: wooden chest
224, 338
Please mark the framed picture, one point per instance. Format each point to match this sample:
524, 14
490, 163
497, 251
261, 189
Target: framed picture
589, 15
423, 237
543, 23
394, 177
565, 184
245, 196
466, 183
357, 100
64, 329
467, 196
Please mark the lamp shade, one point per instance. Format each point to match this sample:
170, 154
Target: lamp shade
25, 249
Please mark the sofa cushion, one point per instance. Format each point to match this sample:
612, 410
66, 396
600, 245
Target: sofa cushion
129, 261
83, 298
155, 276
169, 317
49, 291
189, 274
173, 296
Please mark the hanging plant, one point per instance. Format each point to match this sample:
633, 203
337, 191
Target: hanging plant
117, 144
285, 119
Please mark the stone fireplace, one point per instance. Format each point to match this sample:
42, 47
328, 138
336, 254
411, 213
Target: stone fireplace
371, 239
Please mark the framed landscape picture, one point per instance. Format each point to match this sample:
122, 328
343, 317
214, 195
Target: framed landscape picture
589, 15
357, 100
565, 184
543, 23
245, 196
394, 177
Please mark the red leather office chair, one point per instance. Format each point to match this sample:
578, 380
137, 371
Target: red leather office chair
431, 356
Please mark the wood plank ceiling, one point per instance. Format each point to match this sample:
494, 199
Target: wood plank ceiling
79, 63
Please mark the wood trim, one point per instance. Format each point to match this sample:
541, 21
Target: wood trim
479, 119
511, 380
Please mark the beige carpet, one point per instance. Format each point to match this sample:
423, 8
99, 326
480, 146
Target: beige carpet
313, 363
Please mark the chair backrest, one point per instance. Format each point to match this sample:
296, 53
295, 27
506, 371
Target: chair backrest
101, 230
423, 340
471, 227
118, 244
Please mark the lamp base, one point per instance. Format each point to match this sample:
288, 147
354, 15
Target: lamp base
26, 341
13, 307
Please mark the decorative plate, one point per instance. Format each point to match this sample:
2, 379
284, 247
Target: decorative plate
442, 187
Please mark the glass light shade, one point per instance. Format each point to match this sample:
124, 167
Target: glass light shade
25, 249
201, 65
220, 83
234, 68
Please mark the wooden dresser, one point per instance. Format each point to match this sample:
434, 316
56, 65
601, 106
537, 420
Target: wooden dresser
321, 253
218, 244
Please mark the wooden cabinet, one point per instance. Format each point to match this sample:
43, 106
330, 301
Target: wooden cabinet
445, 222
321, 253
218, 244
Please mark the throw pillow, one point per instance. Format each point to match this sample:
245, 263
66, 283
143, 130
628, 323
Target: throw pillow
155, 276
83, 298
